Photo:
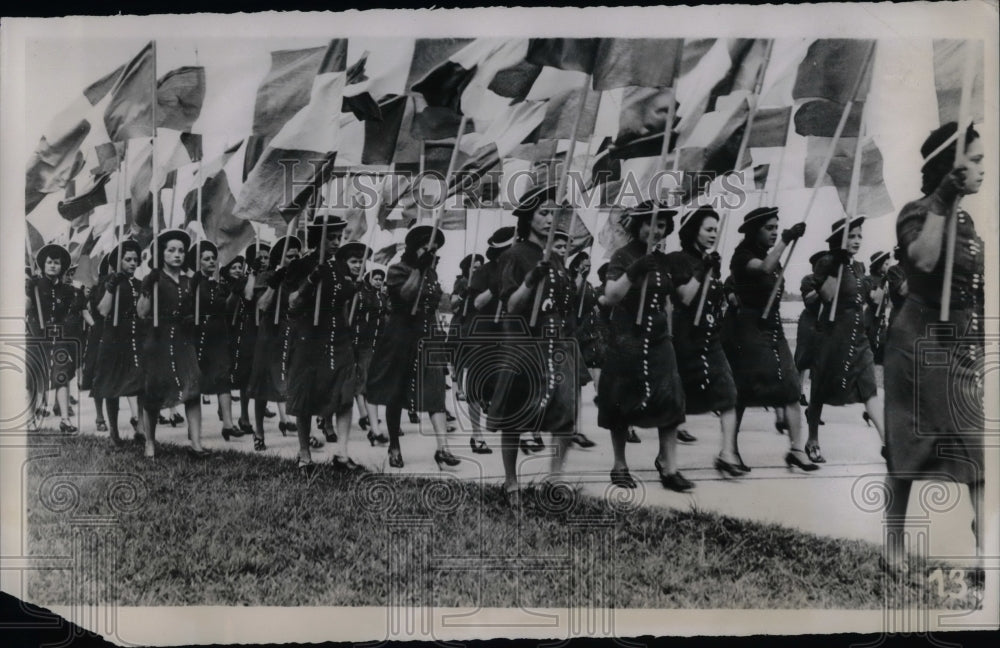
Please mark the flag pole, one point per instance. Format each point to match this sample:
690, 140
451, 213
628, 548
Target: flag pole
964, 108
120, 193
852, 206
744, 145
439, 208
822, 173
468, 278
156, 199
364, 267
322, 254
197, 261
560, 196
292, 227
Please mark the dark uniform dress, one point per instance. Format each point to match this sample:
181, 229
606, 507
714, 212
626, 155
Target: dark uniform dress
708, 380
873, 318
92, 341
322, 372
73, 329
212, 335
591, 331
482, 337
844, 368
369, 322
56, 352
934, 410
806, 339
895, 280
758, 351
538, 373
172, 376
241, 314
640, 384
121, 357
398, 375
273, 347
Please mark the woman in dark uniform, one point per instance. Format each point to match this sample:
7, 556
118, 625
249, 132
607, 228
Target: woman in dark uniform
805, 332
876, 297
758, 353
212, 332
169, 356
120, 372
934, 413
398, 376
701, 362
92, 344
536, 388
57, 300
245, 322
369, 322
321, 372
843, 371
896, 287
640, 385
272, 352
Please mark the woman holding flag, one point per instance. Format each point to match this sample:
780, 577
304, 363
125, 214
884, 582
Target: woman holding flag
245, 290
92, 345
172, 376
934, 411
369, 322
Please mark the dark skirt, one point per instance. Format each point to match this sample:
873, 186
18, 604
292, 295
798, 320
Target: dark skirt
272, 353
639, 384
172, 376
363, 354
120, 360
242, 342
396, 376
843, 370
708, 381
214, 358
91, 347
761, 361
321, 377
537, 386
934, 416
60, 358
477, 359
806, 340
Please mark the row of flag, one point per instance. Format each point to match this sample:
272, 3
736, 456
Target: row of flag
128, 140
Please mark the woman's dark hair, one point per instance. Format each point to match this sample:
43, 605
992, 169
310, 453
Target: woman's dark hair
52, 255
688, 233
936, 168
574, 265
753, 232
635, 224
523, 228
409, 256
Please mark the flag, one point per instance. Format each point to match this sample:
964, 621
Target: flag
130, 113
770, 127
760, 174
649, 62
561, 113
179, 98
613, 235
819, 118
454, 219
873, 197
830, 70
577, 54
373, 141
459, 82
76, 206
151, 169
384, 255
509, 130
949, 72
299, 158
218, 202
58, 158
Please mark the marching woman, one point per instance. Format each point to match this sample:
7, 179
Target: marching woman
92, 344
896, 287
273, 347
876, 297
934, 412
321, 372
586, 331
708, 380
245, 290
758, 352
805, 333
398, 378
843, 370
169, 356
537, 388
640, 385
212, 332
120, 356
55, 300
460, 311
369, 321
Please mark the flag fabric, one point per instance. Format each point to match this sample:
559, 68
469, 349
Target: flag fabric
819, 118
385, 255
509, 130
373, 141
830, 70
454, 219
561, 113
949, 72
648, 62
613, 235
644, 114
770, 127
459, 82
78, 205
577, 54
873, 197
130, 112
179, 98
760, 174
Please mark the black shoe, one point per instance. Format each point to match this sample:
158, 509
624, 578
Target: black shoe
56, 410
527, 447
379, 438
291, 426
414, 417
176, 419
802, 400
268, 413
781, 427
480, 447
622, 478
320, 423
258, 444
66, 427
330, 436
792, 459
306, 468
101, 425
686, 437
676, 482
448, 416
395, 458
72, 400
742, 466
228, 433
205, 400
726, 468
632, 436
812, 451
346, 464
283, 428
581, 440
200, 453
364, 423
244, 426
444, 458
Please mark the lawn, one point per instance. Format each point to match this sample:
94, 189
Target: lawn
240, 529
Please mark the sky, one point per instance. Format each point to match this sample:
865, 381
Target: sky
902, 111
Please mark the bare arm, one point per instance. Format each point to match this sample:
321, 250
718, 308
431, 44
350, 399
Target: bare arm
770, 262
828, 289
145, 306
520, 298
689, 291
616, 289
482, 299
104, 306
925, 250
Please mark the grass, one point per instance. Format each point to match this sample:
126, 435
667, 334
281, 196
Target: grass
239, 529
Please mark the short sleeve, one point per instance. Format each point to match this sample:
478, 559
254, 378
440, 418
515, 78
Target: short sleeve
910, 223
514, 267
738, 264
808, 284
480, 281
619, 263
681, 267
825, 267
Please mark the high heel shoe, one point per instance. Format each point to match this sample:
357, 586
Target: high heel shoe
379, 438
346, 464
244, 426
291, 426
480, 447
66, 427
306, 468
330, 436
448, 416
364, 423
232, 432
742, 466
268, 413
727, 468
581, 440
283, 428
175, 420
444, 458
792, 459
101, 425
812, 451
258, 444
162, 420
622, 478
781, 427
395, 458
683, 436
632, 436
